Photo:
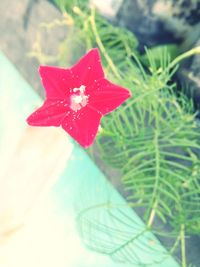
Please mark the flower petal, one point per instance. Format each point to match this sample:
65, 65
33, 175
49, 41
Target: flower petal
51, 113
58, 82
88, 69
105, 96
82, 126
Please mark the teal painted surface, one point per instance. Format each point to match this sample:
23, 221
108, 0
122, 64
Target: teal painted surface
82, 192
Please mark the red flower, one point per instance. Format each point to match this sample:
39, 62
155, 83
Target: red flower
77, 98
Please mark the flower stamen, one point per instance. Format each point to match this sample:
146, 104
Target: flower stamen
80, 100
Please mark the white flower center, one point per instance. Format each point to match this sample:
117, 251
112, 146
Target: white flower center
78, 101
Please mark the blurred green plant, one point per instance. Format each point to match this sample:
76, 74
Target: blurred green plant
153, 139
69, 4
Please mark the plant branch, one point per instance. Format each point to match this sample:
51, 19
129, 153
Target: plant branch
192, 52
101, 46
183, 254
157, 176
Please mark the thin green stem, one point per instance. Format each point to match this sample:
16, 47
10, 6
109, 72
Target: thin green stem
183, 254
192, 52
157, 176
152, 214
101, 46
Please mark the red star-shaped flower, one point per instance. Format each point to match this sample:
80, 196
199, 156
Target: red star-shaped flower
77, 98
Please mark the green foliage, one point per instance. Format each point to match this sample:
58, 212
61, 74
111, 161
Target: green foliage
157, 53
67, 5
153, 139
